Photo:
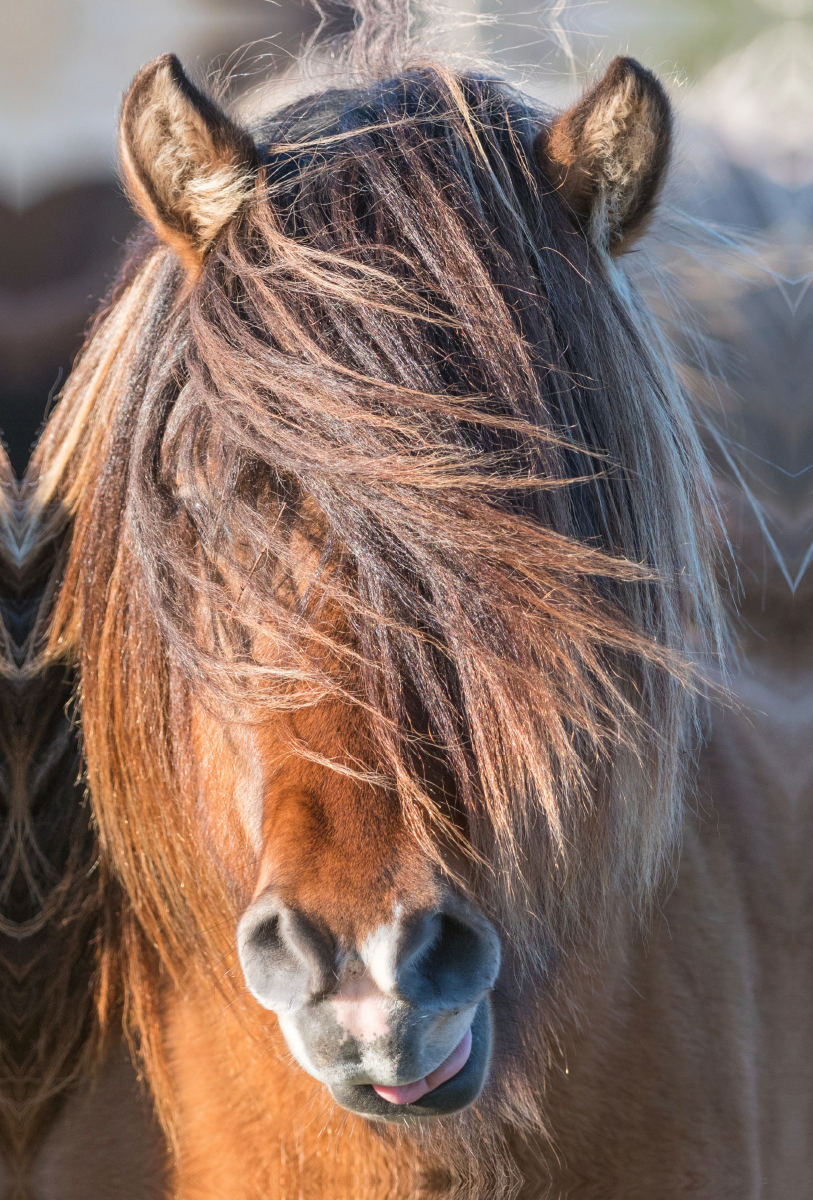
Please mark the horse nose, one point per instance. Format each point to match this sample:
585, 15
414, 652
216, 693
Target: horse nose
398, 1022
287, 959
445, 958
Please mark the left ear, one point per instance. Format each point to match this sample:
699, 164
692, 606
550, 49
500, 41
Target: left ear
186, 166
608, 154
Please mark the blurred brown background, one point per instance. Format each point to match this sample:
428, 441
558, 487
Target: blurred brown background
741, 69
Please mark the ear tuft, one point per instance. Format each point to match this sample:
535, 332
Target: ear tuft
608, 154
186, 166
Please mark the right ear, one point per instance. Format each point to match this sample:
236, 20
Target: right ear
607, 156
186, 166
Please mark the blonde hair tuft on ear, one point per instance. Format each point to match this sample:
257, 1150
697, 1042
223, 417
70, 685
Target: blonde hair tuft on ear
187, 167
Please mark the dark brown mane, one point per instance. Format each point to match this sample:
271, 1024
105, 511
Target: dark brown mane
404, 366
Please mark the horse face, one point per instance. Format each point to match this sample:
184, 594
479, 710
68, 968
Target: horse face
379, 971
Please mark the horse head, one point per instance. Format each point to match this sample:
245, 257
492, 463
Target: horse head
385, 547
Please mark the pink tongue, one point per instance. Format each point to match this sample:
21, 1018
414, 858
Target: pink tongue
410, 1092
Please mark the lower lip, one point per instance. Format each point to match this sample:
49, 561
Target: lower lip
410, 1092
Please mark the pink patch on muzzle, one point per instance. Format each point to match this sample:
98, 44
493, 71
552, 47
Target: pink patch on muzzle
410, 1092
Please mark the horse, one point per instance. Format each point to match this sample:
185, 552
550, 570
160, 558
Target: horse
383, 549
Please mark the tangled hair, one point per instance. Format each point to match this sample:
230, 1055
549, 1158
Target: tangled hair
410, 442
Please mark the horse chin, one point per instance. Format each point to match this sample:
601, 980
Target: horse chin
450, 1097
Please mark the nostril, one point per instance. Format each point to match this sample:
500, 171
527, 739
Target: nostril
452, 959
285, 958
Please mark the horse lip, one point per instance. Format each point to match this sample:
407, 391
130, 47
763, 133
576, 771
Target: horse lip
452, 1065
451, 1096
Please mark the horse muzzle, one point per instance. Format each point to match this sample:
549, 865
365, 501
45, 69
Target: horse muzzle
398, 1026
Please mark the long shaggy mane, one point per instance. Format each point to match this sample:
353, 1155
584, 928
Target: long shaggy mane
409, 442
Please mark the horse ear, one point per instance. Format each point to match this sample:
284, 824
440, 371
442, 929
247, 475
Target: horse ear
608, 154
187, 167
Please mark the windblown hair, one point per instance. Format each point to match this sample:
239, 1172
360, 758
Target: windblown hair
408, 442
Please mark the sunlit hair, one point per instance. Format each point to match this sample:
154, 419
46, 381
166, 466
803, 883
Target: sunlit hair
411, 443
